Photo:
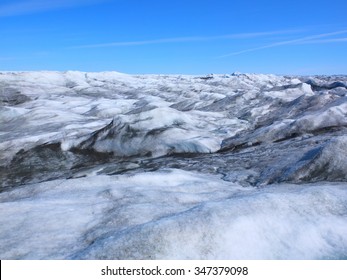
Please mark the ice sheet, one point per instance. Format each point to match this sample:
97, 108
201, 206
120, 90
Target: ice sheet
115, 166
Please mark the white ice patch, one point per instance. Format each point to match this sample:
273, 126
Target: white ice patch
328, 117
291, 93
172, 214
10, 113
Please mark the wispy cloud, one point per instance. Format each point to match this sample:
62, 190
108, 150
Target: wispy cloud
325, 41
303, 40
35, 6
187, 39
6, 58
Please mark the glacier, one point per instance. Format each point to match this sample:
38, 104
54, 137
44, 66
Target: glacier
222, 166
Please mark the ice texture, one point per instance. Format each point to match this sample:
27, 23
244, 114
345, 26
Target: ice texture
115, 166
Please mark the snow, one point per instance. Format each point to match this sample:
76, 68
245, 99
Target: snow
291, 93
9, 113
115, 166
172, 214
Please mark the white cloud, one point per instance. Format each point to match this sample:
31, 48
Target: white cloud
6, 58
186, 39
325, 41
35, 6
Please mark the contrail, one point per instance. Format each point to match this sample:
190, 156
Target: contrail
303, 40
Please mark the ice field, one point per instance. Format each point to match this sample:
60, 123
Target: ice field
115, 166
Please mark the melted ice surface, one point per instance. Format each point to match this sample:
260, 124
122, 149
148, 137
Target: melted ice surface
116, 166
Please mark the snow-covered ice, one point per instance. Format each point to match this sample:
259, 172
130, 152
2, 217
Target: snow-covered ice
115, 166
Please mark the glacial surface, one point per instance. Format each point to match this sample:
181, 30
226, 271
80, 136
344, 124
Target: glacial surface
115, 166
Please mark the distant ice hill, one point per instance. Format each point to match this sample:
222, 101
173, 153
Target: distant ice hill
108, 165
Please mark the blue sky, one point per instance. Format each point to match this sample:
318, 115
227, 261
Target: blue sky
182, 36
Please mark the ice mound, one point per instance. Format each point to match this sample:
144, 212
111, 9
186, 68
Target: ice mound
326, 116
291, 92
320, 86
327, 162
11, 96
157, 132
